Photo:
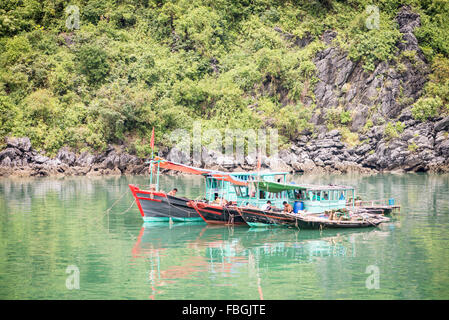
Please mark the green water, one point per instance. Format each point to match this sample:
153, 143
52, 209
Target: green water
49, 224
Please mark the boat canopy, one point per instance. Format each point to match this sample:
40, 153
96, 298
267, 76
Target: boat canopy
219, 175
276, 187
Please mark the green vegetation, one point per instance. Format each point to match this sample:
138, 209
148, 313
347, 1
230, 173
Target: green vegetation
392, 131
368, 125
426, 108
337, 116
436, 98
137, 64
350, 138
412, 147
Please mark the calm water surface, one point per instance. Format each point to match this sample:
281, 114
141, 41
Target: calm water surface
49, 224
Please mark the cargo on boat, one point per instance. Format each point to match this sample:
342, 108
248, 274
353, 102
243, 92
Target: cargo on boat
351, 220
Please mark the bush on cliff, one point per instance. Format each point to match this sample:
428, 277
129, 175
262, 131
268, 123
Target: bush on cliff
166, 64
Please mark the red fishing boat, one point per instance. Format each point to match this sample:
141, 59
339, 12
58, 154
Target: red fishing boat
217, 213
157, 206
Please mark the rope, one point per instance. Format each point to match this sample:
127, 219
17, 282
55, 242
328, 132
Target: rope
171, 205
230, 215
129, 208
115, 202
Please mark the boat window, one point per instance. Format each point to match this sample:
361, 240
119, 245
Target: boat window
314, 195
238, 191
262, 194
309, 195
325, 195
342, 195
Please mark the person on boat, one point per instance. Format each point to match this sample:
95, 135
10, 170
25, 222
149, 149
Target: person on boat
220, 201
287, 207
152, 190
266, 206
173, 192
248, 205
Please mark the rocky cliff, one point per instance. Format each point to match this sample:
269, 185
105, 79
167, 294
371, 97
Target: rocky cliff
20, 159
384, 134
375, 101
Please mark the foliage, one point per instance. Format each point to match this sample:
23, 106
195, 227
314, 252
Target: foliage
292, 120
93, 63
426, 108
337, 116
412, 147
392, 131
350, 138
134, 65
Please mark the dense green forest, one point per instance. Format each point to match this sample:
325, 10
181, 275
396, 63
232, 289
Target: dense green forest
135, 64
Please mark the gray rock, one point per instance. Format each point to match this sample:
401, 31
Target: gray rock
22, 144
440, 137
11, 153
328, 36
85, 159
444, 148
178, 156
6, 162
286, 156
442, 124
278, 165
225, 161
66, 156
40, 159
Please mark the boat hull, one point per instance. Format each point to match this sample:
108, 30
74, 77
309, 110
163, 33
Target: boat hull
259, 218
160, 207
303, 223
217, 214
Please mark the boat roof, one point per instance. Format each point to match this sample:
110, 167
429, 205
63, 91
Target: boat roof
255, 173
275, 187
165, 164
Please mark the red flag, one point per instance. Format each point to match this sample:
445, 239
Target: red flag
259, 161
152, 140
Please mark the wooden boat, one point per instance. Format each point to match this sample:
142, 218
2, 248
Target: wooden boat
217, 214
259, 218
306, 199
313, 221
159, 206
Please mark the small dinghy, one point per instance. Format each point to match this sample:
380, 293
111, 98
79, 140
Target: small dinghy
337, 219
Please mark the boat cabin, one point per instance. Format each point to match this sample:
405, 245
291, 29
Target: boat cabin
218, 183
221, 187
311, 198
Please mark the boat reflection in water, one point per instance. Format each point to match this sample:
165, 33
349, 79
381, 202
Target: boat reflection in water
194, 251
